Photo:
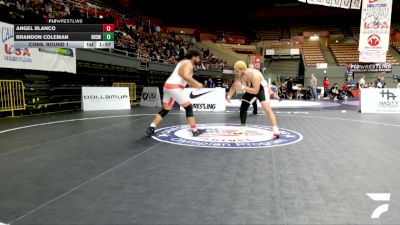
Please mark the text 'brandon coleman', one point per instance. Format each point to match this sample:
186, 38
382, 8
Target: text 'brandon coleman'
41, 37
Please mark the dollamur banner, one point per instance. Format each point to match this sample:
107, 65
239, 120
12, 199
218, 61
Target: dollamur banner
48, 59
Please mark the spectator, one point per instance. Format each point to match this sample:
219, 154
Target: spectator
274, 91
193, 40
210, 83
206, 53
344, 86
352, 82
383, 82
335, 93
361, 82
398, 81
326, 84
313, 87
377, 83
289, 88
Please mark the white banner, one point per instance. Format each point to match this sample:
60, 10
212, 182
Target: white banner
321, 65
336, 3
105, 98
356, 4
376, 100
319, 2
375, 25
311, 1
270, 52
303, 1
207, 99
327, 2
150, 97
372, 56
345, 4
295, 51
58, 59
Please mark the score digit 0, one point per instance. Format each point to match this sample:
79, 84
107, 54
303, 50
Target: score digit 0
108, 27
108, 36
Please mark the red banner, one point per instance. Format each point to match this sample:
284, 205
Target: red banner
257, 61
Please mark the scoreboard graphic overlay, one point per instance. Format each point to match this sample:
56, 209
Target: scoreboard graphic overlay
65, 33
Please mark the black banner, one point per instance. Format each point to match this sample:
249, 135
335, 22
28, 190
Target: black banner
48, 21
39, 28
59, 36
370, 68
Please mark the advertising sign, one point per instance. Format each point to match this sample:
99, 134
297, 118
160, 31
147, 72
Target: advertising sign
105, 98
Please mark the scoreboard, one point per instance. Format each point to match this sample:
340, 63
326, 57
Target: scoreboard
65, 33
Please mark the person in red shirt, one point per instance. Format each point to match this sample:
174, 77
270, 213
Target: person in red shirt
344, 86
326, 84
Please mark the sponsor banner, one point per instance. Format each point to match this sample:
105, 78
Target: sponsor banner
321, 65
336, 3
57, 59
370, 68
375, 25
105, 98
270, 52
207, 99
225, 71
327, 2
372, 56
295, 51
376, 100
355, 4
224, 136
345, 4
257, 61
150, 97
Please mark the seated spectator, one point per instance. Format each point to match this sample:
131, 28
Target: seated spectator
335, 92
210, 83
275, 91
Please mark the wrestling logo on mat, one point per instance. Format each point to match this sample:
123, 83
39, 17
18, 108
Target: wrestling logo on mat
225, 136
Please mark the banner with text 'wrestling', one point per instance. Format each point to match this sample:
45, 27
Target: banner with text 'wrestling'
48, 59
207, 99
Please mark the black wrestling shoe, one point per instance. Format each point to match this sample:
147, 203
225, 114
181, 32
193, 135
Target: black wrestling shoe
198, 132
150, 131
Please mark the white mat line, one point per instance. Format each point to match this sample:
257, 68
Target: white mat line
93, 118
64, 137
341, 119
85, 183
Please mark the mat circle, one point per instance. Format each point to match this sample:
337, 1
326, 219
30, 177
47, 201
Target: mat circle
224, 136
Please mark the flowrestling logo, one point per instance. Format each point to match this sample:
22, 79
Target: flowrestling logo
223, 136
380, 197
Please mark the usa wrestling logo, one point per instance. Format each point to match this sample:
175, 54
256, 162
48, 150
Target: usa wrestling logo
225, 136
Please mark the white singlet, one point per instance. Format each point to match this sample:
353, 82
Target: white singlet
175, 78
173, 88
